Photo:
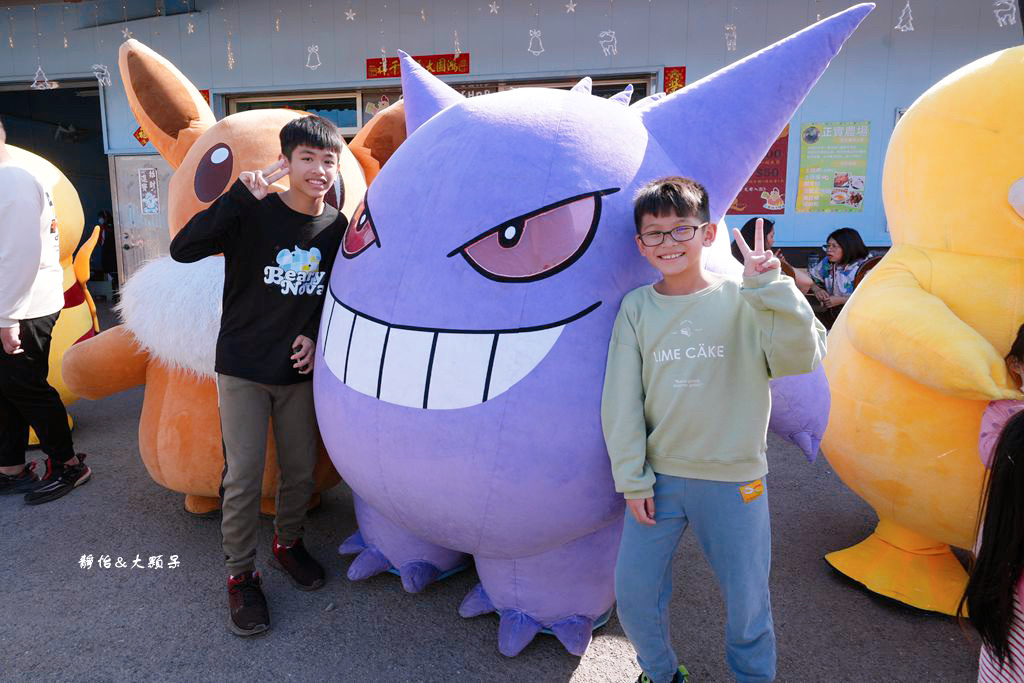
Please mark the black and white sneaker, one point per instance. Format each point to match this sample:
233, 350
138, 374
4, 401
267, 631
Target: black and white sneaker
22, 482
59, 481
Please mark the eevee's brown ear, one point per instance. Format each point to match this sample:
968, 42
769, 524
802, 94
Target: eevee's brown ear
165, 103
379, 138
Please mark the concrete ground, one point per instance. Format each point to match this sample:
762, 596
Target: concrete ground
62, 622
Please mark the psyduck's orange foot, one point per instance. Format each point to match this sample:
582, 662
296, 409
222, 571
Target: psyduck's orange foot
905, 566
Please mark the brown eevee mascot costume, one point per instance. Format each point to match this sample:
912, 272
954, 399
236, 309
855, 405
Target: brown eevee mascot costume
171, 311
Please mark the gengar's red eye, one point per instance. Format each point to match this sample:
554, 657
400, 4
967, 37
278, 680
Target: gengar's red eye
538, 244
360, 234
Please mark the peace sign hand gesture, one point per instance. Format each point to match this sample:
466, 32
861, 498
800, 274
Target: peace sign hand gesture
757, 260
259, 182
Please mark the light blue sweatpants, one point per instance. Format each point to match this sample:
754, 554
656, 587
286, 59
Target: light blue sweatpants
735, 535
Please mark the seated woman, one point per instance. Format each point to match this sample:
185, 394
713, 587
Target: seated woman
832, 279
803, 281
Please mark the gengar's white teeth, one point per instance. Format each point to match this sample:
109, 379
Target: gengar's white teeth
365, 349
459, 372
517, 354
336, 331
406, 361
426, 368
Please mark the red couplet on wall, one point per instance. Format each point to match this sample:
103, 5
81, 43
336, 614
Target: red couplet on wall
439, 65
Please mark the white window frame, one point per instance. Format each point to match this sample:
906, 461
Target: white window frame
234, 100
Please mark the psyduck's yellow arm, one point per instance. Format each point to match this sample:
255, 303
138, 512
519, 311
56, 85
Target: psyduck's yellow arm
105, 364
896, 320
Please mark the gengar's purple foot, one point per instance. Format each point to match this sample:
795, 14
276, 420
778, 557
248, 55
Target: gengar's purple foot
369, 562
417, 575
417, 561
574, 633
352, 545
516, 630
566, 590
476, 603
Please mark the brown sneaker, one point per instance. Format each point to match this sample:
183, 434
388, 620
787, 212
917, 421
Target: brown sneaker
305, 572
249, 614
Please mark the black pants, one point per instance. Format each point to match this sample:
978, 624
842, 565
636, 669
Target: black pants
26, 398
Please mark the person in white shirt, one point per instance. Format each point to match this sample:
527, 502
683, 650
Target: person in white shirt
31, 298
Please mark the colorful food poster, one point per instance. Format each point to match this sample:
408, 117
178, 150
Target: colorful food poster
765, 192
833, 167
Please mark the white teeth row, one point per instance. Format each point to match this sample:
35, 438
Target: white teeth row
429, 369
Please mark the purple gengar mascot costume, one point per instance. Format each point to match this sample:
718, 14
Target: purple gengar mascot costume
463, 345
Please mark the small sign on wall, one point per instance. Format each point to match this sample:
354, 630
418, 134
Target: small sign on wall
149, 191
439, 65
674, 78
833, 166
765, 192
141, 136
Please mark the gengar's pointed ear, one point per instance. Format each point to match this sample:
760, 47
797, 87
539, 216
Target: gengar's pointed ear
585, 85
165, 103
718, 129
424, 93
623, 97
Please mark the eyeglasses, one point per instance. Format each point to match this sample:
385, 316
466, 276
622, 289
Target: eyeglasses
826, 247
684, 233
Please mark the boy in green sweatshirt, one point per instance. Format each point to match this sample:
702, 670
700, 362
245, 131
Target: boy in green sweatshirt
685, 413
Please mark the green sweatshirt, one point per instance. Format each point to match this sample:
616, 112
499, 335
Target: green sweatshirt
686, 388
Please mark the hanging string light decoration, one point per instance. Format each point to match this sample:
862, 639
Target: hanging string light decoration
313, 57
1006, 12
383, 51
63, 29
906, 20
458, 48
124, 31
41, 82
730, 28
10, 29
229, 48
102, 74
536, 46
606, 39
100, 71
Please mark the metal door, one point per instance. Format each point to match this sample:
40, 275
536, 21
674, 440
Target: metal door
139, 189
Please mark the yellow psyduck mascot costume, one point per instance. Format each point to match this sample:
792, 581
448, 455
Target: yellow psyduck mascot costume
918, 352
77, 319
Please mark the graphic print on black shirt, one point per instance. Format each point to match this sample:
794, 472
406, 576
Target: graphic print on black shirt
297, 272
277, 263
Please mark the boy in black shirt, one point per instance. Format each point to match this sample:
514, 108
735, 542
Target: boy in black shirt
278, 250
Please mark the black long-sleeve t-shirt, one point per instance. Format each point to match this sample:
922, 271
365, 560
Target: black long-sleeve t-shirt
277, 264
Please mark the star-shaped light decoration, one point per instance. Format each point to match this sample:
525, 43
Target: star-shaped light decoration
494, 7
126, 33
190, 27
571, 7
350, 14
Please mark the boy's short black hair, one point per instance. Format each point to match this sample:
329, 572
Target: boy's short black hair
311, 131
675, 194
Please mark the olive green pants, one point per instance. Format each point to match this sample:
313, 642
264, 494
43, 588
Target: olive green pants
246, 408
